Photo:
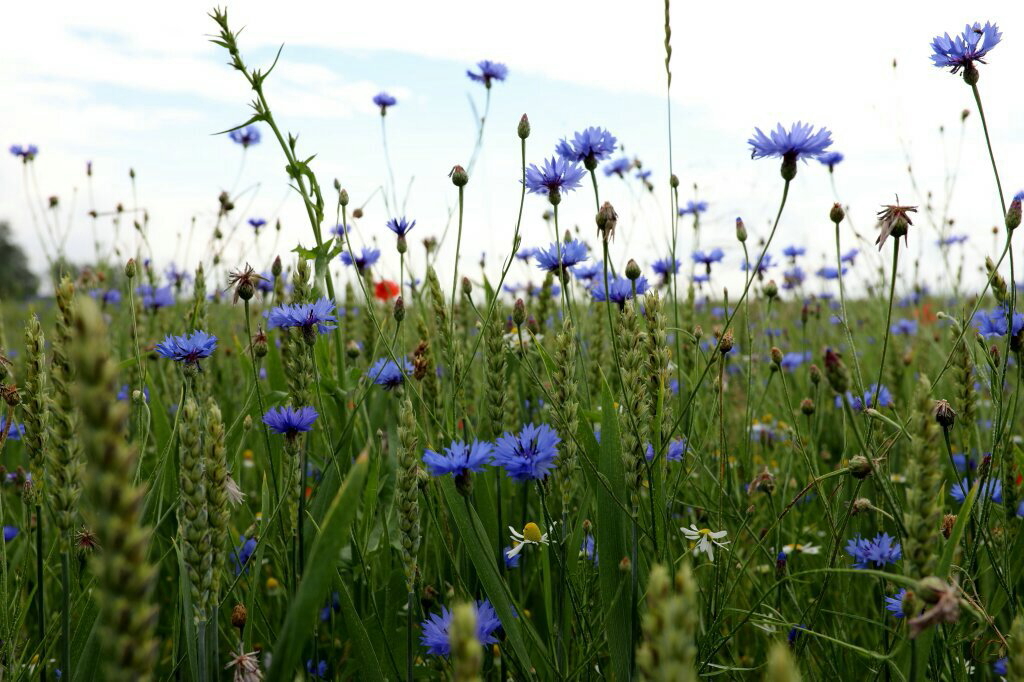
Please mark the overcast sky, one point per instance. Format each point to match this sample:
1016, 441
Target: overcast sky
129, 85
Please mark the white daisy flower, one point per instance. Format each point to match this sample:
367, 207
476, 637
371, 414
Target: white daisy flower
704, 540
800, 549
531, 535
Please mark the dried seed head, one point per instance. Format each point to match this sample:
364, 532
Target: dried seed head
948, 521
239, 615
860, 467
945, 415
726, 343
861, 505
607, 219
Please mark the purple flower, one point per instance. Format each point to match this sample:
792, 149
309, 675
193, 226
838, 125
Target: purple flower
960, 52
790, 361
555, 175
401, 226
799, 142
176, 277
257, 223
849, 256
247, 136
106, 296
676, 450
620, 289
366, 259
793, 251
458, 458
525, 253
340, 230
878, 552
993, 489
894, 604
155, 297
588, 271
951, 240
434, 634
693, 208
290, 421
793, 277
10, 532
384, 100
386, 373
588, 550
489, 71
26, 153
831, 159
618, 167
309, 317
904, 326
16, 431
561, 255
188, 350
666, 266
762, 267
708, 257
528, 455
588, 147
829, 272
241, 554
317, 671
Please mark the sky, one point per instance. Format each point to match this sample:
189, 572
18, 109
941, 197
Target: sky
136, 86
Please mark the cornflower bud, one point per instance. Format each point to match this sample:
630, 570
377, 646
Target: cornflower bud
807, 407
519, 312
945, 415
741, 230
467, 286
130, 268
771, 289
276, 269
860, 467
632, 270
524, 127
399, 312
459, 176
343, 197
776, 355
837, 213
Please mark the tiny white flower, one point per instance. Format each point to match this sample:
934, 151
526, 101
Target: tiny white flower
531, 535
801, 549
704, 540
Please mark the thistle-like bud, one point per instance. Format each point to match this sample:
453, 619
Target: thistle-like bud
524, 127
945, 415
239, 615
401, 245
130, 268
519, 312
860, 467
673, 181
632, 270
741, 231
971, 73
837, 213
467, 287
607, 219
343, 197
815, 373
948, 521
1013, 214
861, 505
776, 355
726, 343
771, 289
259, 343
807, 407
276, 269
352, 350
459, 176
788, 169
836, 372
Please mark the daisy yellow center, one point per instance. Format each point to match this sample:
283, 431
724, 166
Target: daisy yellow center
531, 532
705, 531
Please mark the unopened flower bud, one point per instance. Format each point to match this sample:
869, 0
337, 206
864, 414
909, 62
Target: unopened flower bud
524, 127
459, 176
698, 332
467, 286
352, 350
276, 269
726, 343
607, 219
247, 423
519, 312
625, 565
741, 230
815, 373
399, 311
632, 270
130, 269
239, 615
532, 326
945, 415
776, 355
837, 213
948, 521
807, 407
337, 185
771, 289
673, 181
1014, 212
860, 467
402, 245
931, 589
861, 505
357, 213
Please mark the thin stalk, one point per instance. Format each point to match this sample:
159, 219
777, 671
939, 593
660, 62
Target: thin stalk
40, 612
259, 400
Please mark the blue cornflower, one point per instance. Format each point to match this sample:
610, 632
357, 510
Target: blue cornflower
175, 276
290, 421
857, 403
586, 272
247, 136
106, 296
993, 489
701, 278
458, 458
708, 257
620, 289
384, 100
951, 240
676, 450
894, 604
999, 667
526, 253
155, 297
386, 373
10, 532
16, 430
528, 455
644, 175
904, 326
794, 632
588, 147
340, 230
798, 142
693, 208
489, 71
766, 264
963, 462
257, 223
588, 550
666, 266
367, 258
793, 277
188, 350
831, 159
994, 323
534, 290
309, 317
318, 671
829, 272
850, 256
434, 634
878, 552
790, 361
793, 251
26, 153
960, 52
618, 167
240, 555
401, 226
554, 175
572, 253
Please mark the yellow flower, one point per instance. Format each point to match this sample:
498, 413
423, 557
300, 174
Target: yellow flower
531, 535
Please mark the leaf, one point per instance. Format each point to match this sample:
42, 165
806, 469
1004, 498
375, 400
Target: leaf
369, 666
316, 582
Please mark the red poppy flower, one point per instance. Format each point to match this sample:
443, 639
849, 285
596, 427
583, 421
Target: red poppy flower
385, 290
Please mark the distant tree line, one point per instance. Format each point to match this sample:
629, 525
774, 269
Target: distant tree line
17, 281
